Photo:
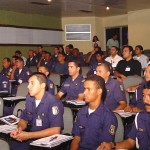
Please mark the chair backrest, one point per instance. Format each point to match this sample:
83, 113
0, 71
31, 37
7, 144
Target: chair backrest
19, 108
4, 145
85, 70
120, 130
22, 89
55, 78
68, 120
1, 107
33, 69
131, 81
147, 53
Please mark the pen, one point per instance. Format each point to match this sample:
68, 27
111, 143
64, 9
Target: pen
53, 138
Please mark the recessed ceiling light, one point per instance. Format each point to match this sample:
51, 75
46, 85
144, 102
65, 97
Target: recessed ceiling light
49, 0
107, 8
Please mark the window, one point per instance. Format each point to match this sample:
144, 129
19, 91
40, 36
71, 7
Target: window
78, 32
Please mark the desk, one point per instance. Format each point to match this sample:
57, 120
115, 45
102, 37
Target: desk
63, 146
74, 108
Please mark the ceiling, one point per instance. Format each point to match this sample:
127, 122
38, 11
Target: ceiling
70, 8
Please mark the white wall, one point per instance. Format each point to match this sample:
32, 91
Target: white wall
138, 23
139, 28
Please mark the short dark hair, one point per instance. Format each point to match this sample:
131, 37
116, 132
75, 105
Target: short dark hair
77, 64
18, 52
48, 53
20, 59
100, 53
8, 59
44, 66
41, 77
106, 66
71, 46
140, 47
115, 47
100, 83
129, 47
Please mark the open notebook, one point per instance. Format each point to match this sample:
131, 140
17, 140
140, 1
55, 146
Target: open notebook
7, 128
14, 98
75, 102
10, 120
124, 114
52, 141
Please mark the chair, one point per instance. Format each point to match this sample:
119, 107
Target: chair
68, 120
1, 107
119, 136
33, 69
147, 53
20, 106
22, 89
55, 78
131, 81
85, 70
4, 145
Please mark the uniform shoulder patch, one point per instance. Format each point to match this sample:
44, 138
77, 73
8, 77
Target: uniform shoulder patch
112, 130
55, 110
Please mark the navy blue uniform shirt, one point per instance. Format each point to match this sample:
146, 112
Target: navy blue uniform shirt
93, 129
50, 111
115, 93
4, 83
73, 88
141, 131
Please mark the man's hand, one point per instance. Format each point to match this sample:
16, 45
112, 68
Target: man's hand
105, 146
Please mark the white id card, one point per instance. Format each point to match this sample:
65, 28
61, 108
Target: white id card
38, 122
127, 69
20, 81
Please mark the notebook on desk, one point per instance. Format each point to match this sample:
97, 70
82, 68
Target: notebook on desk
7, 128
52, 141
75, 102
124, 114
14, 98
10, 120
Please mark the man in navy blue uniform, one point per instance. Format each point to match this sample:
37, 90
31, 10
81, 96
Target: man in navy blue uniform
20, 73
6, 71
61, 67
73, 86
47, 61
50, 84
31, 60
4, 86
115, 99
140, 133
99, 60
94, 123
43, 112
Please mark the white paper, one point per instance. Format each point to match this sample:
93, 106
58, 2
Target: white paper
52, 141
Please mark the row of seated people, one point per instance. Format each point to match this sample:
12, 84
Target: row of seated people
119, 67
73, 86
87, 135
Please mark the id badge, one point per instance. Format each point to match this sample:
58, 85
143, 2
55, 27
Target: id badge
38, 122
127, 69
20, 81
